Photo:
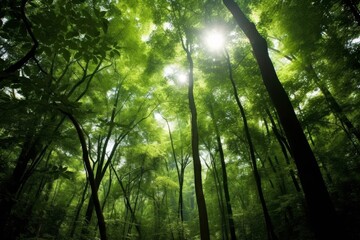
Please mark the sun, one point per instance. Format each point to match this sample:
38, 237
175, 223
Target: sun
182, 78
214, 40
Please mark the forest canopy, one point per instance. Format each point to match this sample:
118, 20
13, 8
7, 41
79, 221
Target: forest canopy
179, 119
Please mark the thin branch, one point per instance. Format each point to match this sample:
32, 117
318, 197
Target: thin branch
21, 62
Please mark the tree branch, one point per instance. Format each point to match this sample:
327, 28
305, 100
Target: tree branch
16, 66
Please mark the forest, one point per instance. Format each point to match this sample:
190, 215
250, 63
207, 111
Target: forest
179, 119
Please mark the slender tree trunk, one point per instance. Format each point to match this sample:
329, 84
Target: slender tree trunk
107, 192
224, 176
269, 226
333, 104
127, 203
285, 149
180, 172
94, 189
11, 187
280, 138
203, 217
219, 194
78, 210
322, 215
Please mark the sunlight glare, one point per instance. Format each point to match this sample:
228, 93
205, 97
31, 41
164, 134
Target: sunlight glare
182, 78
175, 74
169, 70
215, 40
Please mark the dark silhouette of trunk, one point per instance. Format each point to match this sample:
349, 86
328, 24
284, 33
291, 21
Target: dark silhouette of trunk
224, 175
91, 178
321, 212
203, 217
294, 180
107, 192
12, 186
136, 202
30, 156
269, 227
78, 210
21, 62
285, 148
280, 138
219, 193
333, 104
102, 162
127, 202
180, 172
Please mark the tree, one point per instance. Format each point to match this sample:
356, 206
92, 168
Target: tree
321, 211
224, 175
104, 104
91, 177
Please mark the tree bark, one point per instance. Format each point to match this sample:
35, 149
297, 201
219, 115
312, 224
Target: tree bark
333, 104
21, 62
11, 187
203, 217
322, 215
94, 189
127, 202
269, 225
78, 210
224, 176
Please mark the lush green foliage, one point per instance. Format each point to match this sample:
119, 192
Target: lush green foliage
120, 69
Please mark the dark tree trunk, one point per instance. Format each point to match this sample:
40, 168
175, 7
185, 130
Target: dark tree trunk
180, 172
78, 210
11, 187
91, 178
203, 217
333, 104
284, 148
269, 226
224, 176
21, 62
220, 197
322, 215
127, 202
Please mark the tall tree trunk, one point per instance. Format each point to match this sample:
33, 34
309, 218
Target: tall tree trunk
219, 193
93, 186
180, 173
203, 217
127, 203
322, 215
224, 176
78, 210
11, 187
284, 148
269, 225
333, 104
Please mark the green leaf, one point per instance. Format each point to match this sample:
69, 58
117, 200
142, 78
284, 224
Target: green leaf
105, 25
